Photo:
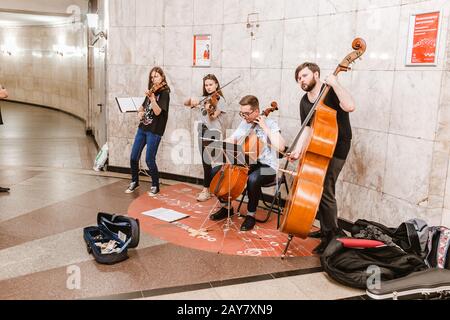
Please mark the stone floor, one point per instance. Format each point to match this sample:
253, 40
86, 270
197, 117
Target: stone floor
46, 160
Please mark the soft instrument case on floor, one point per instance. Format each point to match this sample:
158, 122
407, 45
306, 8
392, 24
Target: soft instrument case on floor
120, 232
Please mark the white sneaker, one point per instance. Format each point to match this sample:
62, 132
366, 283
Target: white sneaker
133, 186
153, 191
204, 196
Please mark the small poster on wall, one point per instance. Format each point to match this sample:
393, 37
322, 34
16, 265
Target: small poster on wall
202, 50
423, 39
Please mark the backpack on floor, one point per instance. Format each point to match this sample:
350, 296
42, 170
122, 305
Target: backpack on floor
353, 267
438, 248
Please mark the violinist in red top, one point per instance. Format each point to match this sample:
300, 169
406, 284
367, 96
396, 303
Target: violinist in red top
264, 169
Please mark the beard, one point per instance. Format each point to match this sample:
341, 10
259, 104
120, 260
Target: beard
307, 87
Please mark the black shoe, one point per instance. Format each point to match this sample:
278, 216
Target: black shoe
248, 223
321, 247
4, 189
221, 214
315, 234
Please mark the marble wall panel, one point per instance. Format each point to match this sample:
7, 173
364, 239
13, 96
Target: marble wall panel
372, 91
408, 167
267, 47
150, 47
329, 7
178, 12
236, 47
122, 45
413, 113
357, 202
178, 44
300, 43
123, 13
300, 8
235, 11
331, 49
208, 12
366, 162
267, 11
381, 40
149, 13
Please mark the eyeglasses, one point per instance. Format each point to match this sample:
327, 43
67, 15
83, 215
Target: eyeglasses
246, 114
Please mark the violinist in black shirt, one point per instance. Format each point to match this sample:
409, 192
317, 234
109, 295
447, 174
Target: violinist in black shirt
153, 115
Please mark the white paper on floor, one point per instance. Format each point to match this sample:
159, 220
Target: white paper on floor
165, 214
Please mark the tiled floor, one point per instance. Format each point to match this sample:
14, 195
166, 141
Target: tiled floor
45, 158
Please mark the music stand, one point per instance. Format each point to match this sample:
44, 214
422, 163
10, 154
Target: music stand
229, 153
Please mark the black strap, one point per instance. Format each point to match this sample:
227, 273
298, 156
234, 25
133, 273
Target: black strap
413, 237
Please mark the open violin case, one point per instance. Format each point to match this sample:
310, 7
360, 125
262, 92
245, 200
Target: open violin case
111, 238
431, 284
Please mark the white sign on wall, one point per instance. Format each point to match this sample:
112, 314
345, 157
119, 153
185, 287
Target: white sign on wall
202, 50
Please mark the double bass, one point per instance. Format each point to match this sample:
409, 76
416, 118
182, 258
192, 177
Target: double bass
229, 183
307, 186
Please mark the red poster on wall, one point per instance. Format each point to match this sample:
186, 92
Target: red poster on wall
423, 39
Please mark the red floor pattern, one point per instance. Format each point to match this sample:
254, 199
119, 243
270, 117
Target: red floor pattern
198, 232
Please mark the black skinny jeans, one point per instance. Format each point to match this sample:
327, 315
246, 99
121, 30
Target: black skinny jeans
259, 175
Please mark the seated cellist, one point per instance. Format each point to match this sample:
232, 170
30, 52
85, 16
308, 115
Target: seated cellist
261, 172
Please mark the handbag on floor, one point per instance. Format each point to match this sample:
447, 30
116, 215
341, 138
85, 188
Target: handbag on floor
111, 238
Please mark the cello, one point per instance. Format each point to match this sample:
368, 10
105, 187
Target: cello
307, 186
230, 181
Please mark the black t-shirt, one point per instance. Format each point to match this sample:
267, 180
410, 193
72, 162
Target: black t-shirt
151, 122
343, 121
1, 121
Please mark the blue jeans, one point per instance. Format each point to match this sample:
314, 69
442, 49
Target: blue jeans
152, 141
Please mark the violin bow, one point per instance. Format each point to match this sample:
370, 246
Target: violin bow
208, 96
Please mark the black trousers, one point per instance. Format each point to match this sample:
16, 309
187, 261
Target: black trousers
207, 154
327, 213
258, 175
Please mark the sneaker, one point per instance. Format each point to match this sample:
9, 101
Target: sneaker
133, 186
204, 196
153, 191
248, 224
221, 214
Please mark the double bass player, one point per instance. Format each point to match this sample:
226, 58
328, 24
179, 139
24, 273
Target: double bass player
307, 75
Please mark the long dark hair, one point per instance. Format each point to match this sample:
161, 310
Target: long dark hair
163, 75
213, 78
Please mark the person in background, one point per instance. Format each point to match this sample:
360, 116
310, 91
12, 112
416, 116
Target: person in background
3, 95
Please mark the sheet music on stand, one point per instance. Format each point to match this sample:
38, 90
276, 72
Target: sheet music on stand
130, 104
227, 152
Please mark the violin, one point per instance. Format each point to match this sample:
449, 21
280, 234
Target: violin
231, 180
213, 100
147, 110
156, 88
307, 186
